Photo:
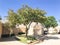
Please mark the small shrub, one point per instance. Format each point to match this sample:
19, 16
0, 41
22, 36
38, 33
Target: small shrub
24, 39
31, 38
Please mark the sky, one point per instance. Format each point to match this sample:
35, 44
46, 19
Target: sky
52, 7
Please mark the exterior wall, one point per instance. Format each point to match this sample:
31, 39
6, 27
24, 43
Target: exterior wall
35, 29
7, 30
31, 28
52, 30
21, 28
0, 29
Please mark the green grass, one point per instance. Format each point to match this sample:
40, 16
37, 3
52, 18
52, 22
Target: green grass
24, 39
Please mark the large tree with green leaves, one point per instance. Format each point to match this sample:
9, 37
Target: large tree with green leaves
51, 21
31, 14
25, 15
13, 18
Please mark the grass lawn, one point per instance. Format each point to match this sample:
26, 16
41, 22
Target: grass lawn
24, 39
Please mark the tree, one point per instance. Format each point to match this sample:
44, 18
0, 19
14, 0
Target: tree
13, 18
31, 15
25, 15
51, 21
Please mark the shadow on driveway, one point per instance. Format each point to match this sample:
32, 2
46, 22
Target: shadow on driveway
50, 37
8, 39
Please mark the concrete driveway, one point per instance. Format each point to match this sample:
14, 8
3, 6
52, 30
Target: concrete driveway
51, 40
10, 41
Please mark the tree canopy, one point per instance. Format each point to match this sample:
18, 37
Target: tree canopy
27, 14
51, 21
12, 17
31, 14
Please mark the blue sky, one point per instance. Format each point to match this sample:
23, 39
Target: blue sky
52, 7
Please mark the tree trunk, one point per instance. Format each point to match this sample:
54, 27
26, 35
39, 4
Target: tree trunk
27, 29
